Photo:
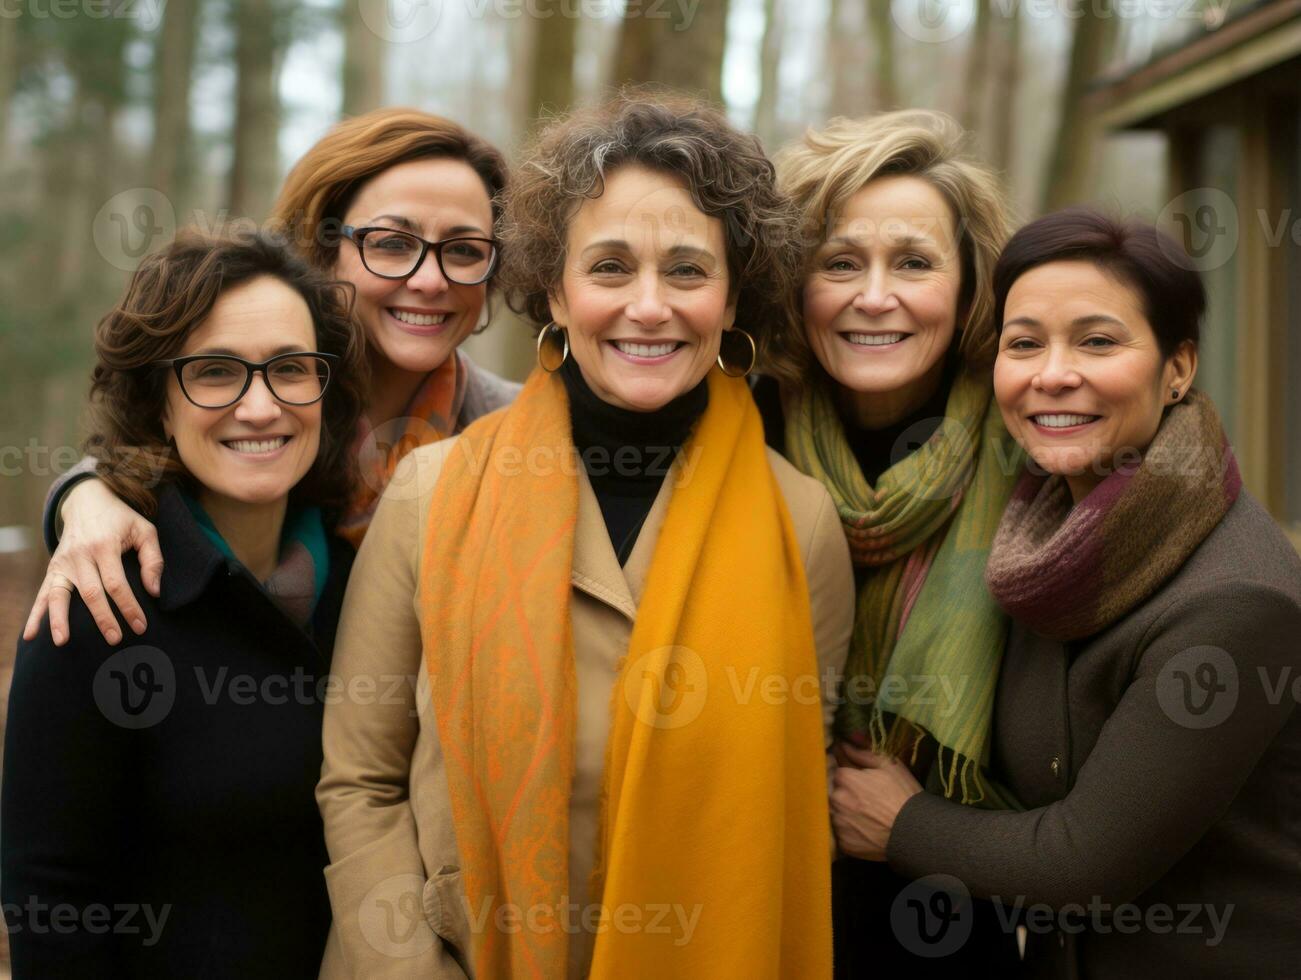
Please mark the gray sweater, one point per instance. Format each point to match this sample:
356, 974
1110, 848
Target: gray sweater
1160, 765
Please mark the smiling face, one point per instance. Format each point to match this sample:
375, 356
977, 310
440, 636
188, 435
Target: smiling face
255, 451
416, 323
881, 300
1080, 377
645, 290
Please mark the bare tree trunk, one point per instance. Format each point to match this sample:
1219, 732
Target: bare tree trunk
173, 67
1002, 121
363, 63
1071, 165
971, 99
883, 37
552, 81
836, 50
765, 113
254, 171
8, 75
655, 45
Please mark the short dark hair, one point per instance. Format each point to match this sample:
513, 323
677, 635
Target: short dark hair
169, 296
1134, 252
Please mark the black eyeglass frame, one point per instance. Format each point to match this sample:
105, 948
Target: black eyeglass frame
358, 235
177, 364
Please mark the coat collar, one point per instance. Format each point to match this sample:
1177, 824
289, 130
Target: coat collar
190, 558
596, 569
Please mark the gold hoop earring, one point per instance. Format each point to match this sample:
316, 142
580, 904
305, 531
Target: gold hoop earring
542, 338
754, 354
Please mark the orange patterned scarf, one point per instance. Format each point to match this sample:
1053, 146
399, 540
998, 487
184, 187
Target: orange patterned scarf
714, 796
430, 416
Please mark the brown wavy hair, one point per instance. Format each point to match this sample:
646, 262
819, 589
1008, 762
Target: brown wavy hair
724, 170
317, 192
169, 296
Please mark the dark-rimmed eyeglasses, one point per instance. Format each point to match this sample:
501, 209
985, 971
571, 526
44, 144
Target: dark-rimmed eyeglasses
220, 380
392, 254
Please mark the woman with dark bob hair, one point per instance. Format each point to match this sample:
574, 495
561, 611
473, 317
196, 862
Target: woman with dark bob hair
1143, 719
621, 607
158, 808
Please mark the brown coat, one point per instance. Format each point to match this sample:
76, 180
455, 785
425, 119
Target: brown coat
394, 881
1160, 764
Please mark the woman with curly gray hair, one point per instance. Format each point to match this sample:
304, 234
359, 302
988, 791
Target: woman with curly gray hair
614, 758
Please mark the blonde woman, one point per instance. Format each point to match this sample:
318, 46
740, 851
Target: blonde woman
888, 401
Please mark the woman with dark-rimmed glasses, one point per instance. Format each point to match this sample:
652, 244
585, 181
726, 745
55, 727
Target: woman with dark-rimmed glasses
158, 799
401, 205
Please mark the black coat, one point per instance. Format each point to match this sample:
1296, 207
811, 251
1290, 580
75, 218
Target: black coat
159, 813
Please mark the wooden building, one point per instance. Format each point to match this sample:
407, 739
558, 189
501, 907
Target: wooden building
1228, 100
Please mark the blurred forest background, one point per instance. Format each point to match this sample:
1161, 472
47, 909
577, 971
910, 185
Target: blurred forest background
121, 120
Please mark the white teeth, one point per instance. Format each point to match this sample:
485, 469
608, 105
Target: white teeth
257, 445
646, 350
874, 340
1061, 421
419, 319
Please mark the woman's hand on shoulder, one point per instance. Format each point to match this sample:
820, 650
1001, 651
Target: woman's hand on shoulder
98, 528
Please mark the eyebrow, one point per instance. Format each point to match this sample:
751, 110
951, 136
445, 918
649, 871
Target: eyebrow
283, 349
412, 227
906, 241
1092, 319
676, 252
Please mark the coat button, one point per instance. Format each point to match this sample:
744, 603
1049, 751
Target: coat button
1055, 766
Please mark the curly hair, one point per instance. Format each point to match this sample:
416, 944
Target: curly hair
725, 172
829, 166
169, 296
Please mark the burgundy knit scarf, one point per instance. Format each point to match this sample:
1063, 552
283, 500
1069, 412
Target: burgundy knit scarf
1070, 572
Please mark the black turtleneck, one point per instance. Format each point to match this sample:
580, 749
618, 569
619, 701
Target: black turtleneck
878, 449
627, 454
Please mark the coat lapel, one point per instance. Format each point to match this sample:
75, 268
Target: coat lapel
596, 569
637, 567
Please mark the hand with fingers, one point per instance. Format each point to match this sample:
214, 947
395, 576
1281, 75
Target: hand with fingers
98, 528
868, 791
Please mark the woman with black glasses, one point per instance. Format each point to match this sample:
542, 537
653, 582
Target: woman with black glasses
158, 798
402, 205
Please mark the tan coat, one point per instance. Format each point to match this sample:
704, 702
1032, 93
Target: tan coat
394, 881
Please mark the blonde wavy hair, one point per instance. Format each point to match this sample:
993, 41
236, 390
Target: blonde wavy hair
827, 167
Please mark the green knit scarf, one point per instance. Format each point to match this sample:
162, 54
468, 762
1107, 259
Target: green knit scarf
928, 638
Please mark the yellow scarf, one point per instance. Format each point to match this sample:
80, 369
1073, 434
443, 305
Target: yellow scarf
714, 796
